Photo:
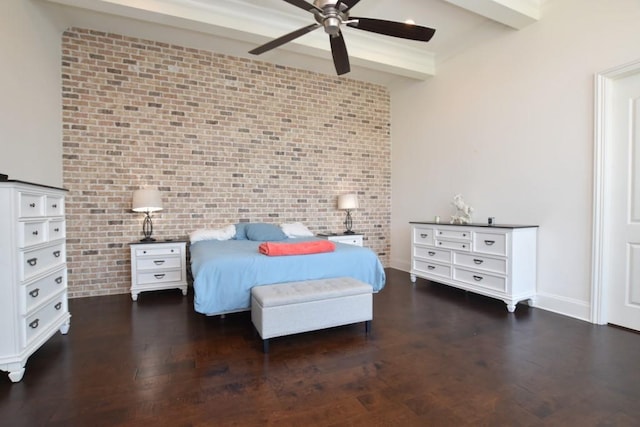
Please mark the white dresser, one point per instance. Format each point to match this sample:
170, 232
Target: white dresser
498, 261
33, 271
159, 265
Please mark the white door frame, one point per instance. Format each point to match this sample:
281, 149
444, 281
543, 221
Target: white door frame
602, 134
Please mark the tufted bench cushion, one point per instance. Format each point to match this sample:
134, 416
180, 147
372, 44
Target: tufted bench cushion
295, 307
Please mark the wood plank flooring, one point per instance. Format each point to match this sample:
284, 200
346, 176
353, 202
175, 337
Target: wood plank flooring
436, 356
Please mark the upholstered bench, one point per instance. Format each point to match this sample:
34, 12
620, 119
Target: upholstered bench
309, 305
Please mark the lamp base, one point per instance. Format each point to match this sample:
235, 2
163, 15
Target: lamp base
349, 232
148, 239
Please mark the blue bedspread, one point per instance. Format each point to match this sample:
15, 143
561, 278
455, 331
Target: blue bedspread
225, 271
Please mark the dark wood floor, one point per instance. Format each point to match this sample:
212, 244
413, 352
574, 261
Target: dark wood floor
436, 356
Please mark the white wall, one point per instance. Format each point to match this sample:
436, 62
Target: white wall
30, 98
509, 125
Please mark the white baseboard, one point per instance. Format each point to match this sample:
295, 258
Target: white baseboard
400, 264
570, 307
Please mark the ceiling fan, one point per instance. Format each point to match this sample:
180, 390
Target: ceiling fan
331, 14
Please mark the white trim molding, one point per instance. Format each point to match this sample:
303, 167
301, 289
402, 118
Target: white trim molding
602, 137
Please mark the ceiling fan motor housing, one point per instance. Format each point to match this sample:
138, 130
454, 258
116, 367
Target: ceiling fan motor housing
332, 18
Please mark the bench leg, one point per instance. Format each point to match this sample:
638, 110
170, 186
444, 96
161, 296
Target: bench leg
265, 346
367, 327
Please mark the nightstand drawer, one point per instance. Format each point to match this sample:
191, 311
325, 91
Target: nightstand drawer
162, 263
158, 252
160, 277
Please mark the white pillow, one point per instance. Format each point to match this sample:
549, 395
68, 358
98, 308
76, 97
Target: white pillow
295, 229
225, 233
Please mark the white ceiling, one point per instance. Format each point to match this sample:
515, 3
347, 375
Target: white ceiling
236, 26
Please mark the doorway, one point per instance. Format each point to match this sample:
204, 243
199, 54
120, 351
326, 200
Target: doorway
616, 230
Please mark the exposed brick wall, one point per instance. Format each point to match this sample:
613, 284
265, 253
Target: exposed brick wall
225, 139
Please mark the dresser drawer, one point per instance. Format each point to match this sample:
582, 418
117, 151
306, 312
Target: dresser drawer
42, 319
55, 206
479, 279
42, 289
158, 263
57, 230
490, 243
158, 252
30, 205
160, 277
423, 236
31, 233
36, 261
453, 234
480, 262
456, 245
431, 268
432, 254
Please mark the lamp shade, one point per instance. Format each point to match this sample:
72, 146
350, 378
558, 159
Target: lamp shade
146, 200
348, 201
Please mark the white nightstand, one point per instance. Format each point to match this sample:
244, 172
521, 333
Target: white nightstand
350, 239
158, 265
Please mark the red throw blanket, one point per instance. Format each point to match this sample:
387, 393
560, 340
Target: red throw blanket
299, 248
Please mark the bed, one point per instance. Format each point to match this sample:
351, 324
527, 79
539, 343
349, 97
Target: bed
224, 271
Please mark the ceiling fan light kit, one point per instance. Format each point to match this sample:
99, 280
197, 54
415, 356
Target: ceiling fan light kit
331, 15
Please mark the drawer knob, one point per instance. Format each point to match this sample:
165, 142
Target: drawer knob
431, 267
59, 280
58, 306
32, 205
431, 253
34, 293
159, 276
34, 324
158, 262
35, 233
57, 230
477, 278
464, 234
424, 236
478, 261
464, 246
32, 262
56, 254
489, 242
54, 206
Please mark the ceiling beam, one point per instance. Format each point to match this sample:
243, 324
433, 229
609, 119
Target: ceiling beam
512, 13
256, 25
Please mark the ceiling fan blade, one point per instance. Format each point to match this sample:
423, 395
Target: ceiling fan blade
348, 3
284, 39
304, 5
340, 55
394, 29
